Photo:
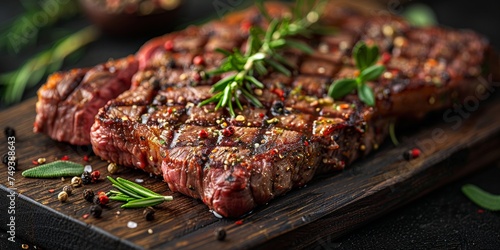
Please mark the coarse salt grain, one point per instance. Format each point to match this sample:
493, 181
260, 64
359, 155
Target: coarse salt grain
131, 224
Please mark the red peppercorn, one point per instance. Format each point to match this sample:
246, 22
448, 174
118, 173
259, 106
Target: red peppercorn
198, 60
415, 153
103, 199
239, 222
95, 175
197, 77
169, 45
203, 134
65, 158
306, 143
86, 158
246, 25
261, 115
386, 57
35, 162
229, 131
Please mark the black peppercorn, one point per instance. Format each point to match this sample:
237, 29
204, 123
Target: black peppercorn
5, 159
220, 234
149, 213
96, 211
86, 178
88, 195
9, 132
96, 200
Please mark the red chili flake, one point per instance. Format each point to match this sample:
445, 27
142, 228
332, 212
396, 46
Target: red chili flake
480, 211
203, 134
85, 216
86, 158
261, 115
415, 153
279, 92
35, 162
239, 222
169, 45
51, 190
65, 158
198, 60
306, 143
246, 25
229, 131
169, 110
103, 199
95, 175
386, 57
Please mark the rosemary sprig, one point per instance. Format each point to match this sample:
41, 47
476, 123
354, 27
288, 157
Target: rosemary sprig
365, 58
134, 195
482, 198
262, 52
14, 83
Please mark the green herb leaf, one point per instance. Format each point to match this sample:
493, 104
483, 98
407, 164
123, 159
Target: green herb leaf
261, 53
341, 88
366, 95
372, 73
359, 52
54, 169
481, 197
146, 202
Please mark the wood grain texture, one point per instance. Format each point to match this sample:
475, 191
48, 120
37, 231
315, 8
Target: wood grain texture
328, 207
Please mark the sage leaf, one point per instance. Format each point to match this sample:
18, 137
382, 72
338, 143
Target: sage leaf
54, 169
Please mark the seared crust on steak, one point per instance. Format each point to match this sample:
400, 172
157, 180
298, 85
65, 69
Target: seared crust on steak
235, 164
69, 101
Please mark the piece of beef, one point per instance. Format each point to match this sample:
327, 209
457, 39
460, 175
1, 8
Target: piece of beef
235, 164
68, 102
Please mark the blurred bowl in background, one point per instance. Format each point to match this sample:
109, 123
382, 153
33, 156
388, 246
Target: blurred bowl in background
133, 17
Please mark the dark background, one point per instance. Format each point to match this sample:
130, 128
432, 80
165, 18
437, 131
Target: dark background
443, 219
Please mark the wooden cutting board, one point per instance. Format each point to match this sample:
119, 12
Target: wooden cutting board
328, 207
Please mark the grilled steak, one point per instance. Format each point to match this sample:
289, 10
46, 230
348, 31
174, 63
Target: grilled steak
69, 101
235, 164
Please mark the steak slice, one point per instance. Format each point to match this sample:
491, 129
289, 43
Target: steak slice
69, 101
235, 164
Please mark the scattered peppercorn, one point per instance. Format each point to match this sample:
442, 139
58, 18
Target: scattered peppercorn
412, 154
198, 60
68, 189
96, 200
62, 196
103, 198
41, 160
76, 181
95, 175
34, 162
65, 158
112, 168
169, 45
203, 134
86, 178
220, 234
86, 158
239, 222
9, 132
5, 159
149, 213
228, 131
96, 211
88, 195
